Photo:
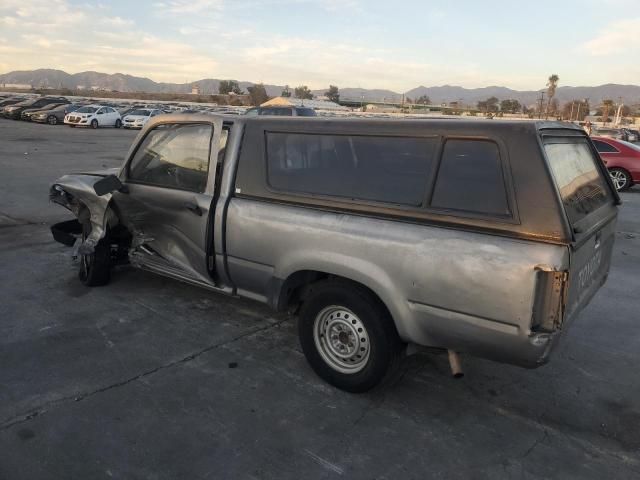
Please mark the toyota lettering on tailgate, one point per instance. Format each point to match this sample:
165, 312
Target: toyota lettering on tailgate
586, 273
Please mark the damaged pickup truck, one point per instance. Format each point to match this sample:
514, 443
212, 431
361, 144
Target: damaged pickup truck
482, 238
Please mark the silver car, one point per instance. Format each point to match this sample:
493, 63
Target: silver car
479, 238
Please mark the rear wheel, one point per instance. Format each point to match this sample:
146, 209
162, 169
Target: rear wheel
52, 120
95, 267
621, 179
94, 123
348, 337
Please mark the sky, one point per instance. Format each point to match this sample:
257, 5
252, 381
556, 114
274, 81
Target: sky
396, 45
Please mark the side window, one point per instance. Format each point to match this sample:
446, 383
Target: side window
604, 147
100, 111
383, 169
470, 178
175, 156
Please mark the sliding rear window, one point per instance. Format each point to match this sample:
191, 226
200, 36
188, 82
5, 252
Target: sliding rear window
578, 177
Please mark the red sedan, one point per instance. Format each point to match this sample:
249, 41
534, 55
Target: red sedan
622, 160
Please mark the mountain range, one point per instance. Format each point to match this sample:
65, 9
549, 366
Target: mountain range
50, 78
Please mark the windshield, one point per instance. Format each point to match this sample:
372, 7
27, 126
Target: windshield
580, 182
86, 110
144, 113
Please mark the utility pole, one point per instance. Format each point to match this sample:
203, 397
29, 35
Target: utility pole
541, 102
571, 114
578, 113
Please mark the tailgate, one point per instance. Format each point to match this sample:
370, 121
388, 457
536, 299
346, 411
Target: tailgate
590, 263
589, 202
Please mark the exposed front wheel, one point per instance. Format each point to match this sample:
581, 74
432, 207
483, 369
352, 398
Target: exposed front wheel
621, 179
118, 123
348, 337
94, 123
95, 267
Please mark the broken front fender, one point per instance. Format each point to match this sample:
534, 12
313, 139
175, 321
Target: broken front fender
76, 193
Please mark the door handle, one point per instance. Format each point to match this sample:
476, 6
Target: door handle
194, 208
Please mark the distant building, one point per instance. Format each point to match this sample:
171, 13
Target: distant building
17, 86
195, 90
298, 102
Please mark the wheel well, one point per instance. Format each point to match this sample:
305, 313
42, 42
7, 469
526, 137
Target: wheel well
619, 168
631, 182
297, 287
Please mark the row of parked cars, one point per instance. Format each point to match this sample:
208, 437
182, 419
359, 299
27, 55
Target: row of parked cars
623, 133
60, 110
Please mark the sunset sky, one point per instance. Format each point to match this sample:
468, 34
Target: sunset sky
351, 43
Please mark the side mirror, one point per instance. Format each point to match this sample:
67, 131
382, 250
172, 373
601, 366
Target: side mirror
108, 184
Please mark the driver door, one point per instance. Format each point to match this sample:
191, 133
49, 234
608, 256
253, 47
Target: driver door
170, 187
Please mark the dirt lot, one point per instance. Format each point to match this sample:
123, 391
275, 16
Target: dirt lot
152, 379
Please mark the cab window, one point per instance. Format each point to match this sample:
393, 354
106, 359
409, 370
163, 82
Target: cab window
174, 156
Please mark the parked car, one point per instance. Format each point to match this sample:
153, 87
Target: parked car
636, 133
14, 111
484, 238
10, 101
282, 111
139, 117
614, 133
622, 159
629, 135
55, 115
28, 113
94, 116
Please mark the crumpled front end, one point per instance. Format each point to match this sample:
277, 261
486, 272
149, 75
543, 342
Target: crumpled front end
76, 193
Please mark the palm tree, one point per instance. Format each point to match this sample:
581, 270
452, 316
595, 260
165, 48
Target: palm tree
607, 104
552, 84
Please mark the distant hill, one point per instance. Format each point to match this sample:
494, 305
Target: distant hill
50, 78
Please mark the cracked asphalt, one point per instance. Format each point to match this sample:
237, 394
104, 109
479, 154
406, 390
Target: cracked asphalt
148, 378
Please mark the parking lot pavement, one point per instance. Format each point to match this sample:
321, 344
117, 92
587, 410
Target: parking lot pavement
149, 378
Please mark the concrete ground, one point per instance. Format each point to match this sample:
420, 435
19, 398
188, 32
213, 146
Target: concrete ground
148, 378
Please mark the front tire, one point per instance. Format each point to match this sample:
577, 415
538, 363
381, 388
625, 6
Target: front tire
95, 268
348, 336
94, 124
620, 178
118, 123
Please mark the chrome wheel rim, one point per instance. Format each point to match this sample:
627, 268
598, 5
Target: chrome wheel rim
619, 179
341, 339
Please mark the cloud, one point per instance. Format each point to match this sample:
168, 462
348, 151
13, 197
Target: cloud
618, 37
184, 7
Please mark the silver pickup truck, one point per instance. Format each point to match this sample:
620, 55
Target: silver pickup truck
478, 237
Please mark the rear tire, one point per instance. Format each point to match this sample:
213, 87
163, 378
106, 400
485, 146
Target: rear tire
94, 123
52, 120
348, 336
95, 268
620, 178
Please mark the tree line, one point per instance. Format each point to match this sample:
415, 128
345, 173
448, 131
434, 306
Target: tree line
258, 93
